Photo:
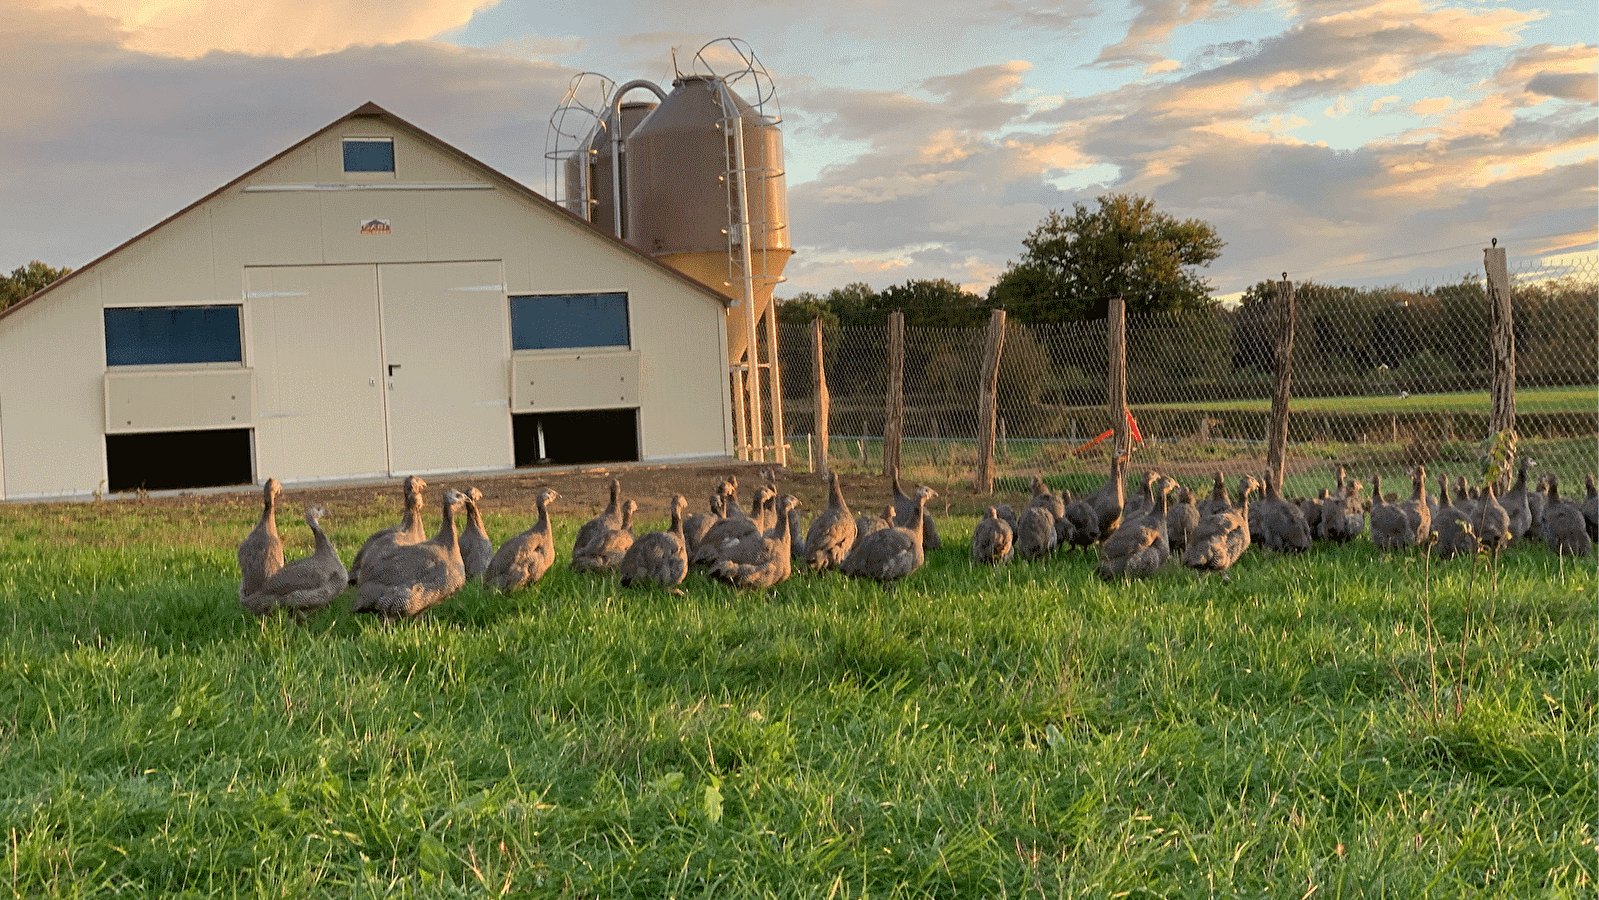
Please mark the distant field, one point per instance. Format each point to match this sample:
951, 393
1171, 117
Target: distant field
1538, 400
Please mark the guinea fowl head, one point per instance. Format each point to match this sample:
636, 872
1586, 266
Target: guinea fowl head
546, 497
314, 514
272, 488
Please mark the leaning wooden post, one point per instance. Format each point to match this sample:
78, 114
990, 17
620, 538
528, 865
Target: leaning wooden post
988, 402
1502, 417
894, 414
819, 379
1116, 374
1277, 439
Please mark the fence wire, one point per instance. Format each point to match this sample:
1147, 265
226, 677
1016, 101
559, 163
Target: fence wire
1382, 380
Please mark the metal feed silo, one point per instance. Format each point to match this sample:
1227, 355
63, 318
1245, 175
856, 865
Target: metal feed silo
700, 186
595, 179
707, 195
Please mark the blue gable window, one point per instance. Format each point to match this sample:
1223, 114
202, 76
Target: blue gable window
368, 155
172, 335
562, 321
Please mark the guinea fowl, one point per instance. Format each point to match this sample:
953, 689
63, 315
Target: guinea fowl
992, 540
1009, 515
1565, 529
1537, 504
1455, 537
891, 553
476, 548
1142, 502
608, 520
1048, 499
522, 560
1395, 526
1343, 517
1490, 521
832, 532
1311, 507
604, 552
406, 580
729, 531
1516, 504
907, 508
307, 584
1282, 523
1035, 533
865, 525
1222, 537
1084, 521
409, 531
660, 557
1218, 501
261, 551
1590, 507
1111, 497
1182, 520
761, 561
695, 526
1141, 547
1463, 498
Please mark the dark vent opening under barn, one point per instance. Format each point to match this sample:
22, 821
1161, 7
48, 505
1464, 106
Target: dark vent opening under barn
174, 460
575, 438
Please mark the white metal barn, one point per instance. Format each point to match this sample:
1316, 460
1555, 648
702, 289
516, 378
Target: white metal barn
369, 303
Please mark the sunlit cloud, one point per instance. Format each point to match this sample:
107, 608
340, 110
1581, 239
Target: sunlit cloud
272, 27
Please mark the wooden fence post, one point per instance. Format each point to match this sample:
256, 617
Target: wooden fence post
988, 402
823, 400
1277, 439
1502, 416
1116, 376
894, 414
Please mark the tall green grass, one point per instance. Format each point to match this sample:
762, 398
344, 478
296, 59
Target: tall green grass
1336, 723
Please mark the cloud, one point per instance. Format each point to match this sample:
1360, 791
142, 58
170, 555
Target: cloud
109, 141
1380, 102
272, 27
1337, 110
1431, 106
1154, 24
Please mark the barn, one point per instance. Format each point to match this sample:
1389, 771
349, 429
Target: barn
371, 302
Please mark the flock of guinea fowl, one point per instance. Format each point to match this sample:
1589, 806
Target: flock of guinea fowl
400, 572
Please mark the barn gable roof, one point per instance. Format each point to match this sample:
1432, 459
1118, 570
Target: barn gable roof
369, 110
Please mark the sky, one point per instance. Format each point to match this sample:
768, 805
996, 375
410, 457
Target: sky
1341, 141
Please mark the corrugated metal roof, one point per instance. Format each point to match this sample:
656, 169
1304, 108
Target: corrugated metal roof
371, 110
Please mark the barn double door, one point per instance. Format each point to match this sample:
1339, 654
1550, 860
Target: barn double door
371, 370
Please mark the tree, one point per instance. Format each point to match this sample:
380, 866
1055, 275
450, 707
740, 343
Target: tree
940, 303
25, 281
1075, 264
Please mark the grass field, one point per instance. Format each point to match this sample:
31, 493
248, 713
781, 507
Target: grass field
1528, 400
1333, 725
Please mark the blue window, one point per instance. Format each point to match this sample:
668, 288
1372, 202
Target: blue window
558, 321
168, 335
368, 155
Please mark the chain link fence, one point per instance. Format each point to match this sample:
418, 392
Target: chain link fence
1382, 380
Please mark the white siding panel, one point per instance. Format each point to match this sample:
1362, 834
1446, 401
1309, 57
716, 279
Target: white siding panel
180, 400
52, 363
546, 382
313, 337
173, 265
265, 229
446, 340
475, 224
343, 212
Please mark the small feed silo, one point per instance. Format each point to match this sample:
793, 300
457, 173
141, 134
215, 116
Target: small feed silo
701, 180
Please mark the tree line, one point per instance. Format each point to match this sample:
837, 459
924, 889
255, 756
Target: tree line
25, 281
